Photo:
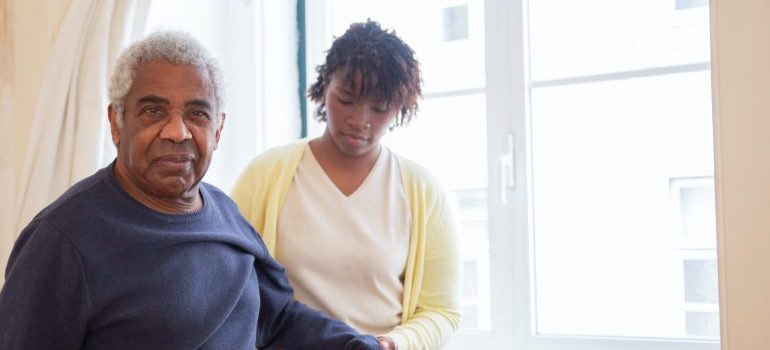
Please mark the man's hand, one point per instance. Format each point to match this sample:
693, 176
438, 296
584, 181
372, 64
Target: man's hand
387, 343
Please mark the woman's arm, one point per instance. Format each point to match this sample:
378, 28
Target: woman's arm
437, 316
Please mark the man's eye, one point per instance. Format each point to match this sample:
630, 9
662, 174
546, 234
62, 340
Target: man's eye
200, 115
153, 110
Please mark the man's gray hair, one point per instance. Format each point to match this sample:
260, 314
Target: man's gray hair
172, 46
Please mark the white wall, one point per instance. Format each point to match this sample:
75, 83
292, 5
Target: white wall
741, 79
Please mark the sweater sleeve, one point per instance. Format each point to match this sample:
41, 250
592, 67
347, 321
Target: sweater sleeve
287, 324
45, 302
437, 314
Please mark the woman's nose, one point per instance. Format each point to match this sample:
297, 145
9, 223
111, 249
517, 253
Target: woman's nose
360, 120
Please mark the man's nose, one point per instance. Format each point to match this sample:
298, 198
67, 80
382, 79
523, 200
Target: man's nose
175, 129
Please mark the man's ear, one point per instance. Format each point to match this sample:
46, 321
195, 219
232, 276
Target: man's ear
112, 116
219, 131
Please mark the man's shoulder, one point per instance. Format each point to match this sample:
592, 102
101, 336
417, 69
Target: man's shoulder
215, 193
75, 209
220, 204
88, 192
226, 213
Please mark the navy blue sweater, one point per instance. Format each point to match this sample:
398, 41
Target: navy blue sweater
98, 270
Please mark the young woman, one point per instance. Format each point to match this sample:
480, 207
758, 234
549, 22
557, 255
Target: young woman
365, 235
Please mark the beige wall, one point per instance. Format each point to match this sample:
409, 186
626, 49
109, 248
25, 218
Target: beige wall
741, 78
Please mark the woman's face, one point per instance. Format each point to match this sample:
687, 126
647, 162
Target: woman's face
355, 123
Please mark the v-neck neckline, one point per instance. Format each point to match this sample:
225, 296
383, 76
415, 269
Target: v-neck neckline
330, 182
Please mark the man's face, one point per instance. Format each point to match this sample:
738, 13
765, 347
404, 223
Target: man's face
169, 133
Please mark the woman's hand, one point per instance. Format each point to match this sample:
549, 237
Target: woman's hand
386, 343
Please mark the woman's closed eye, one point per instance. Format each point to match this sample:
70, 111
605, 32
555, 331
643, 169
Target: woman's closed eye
381, 108
345, 101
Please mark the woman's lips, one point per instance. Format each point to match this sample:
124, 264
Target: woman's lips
355, 140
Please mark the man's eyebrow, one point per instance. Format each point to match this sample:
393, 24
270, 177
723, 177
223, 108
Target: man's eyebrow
198, 103
153, 99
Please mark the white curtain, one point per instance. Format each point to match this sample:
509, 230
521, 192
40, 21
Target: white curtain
69, 138
7, 142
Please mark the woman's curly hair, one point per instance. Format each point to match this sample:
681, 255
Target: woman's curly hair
388, 68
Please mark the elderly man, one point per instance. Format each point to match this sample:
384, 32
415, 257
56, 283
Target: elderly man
142, 254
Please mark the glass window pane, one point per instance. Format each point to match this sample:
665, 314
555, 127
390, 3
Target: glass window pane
607, 233
703, 324
576, 38
697, 208
448, 36
700, 281
446, 132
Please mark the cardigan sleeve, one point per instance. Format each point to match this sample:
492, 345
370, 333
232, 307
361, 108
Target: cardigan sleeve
261, 188
243, 194
437, 314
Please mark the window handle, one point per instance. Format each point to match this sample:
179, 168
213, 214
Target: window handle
505, 165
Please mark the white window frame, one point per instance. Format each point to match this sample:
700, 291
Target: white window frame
508, 91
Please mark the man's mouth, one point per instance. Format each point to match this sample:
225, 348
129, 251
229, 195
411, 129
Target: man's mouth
176, 157
175, 161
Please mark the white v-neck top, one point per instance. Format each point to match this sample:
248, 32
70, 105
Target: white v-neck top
346, 255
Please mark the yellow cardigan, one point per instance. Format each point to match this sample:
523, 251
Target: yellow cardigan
431, 300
